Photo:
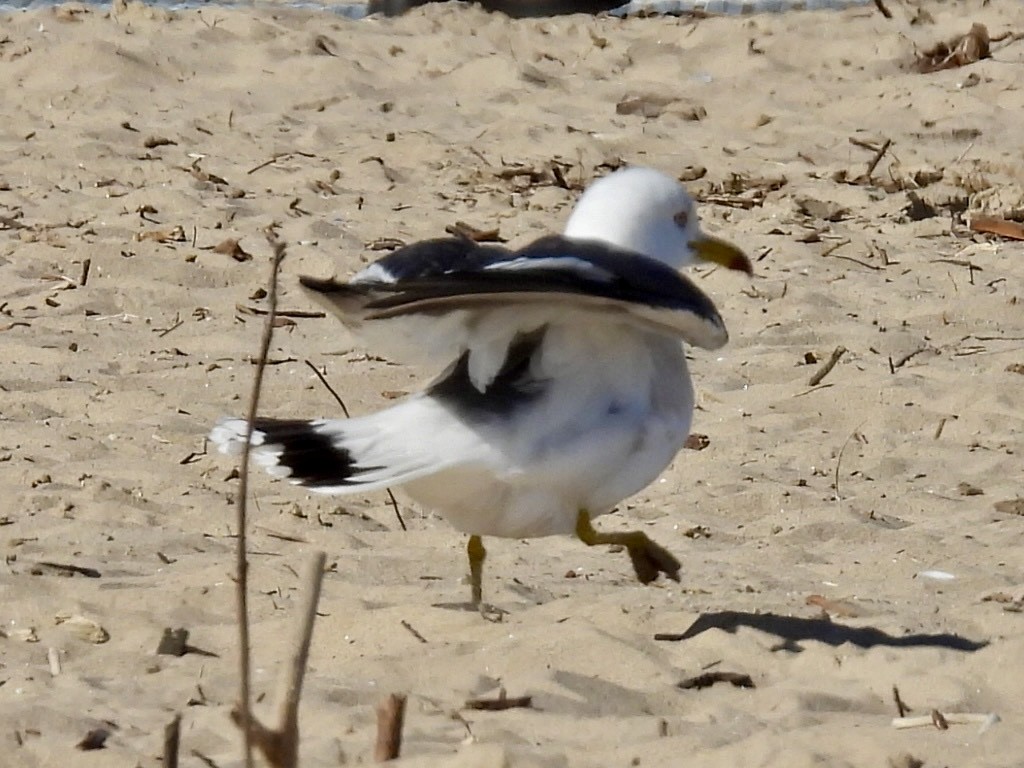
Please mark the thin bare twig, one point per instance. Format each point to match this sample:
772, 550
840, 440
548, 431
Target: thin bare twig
327, 385
241, 559
942, 426
839, 462
863, 144
812, 389
298, 314
901, 708
907, 358
394, 506
878, 157
851, 258
412, 630
390, 717
173, 327
835, 247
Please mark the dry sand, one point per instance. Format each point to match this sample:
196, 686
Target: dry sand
340, 134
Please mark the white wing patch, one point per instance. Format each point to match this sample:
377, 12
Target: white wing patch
570, 263
375, 273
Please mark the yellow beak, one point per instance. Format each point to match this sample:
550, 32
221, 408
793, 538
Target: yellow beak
720, 252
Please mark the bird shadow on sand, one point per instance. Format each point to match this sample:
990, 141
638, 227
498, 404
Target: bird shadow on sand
793, 629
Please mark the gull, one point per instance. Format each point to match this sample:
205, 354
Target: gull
565, 388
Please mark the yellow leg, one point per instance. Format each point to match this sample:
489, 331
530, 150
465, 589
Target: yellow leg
649, 559
477, 554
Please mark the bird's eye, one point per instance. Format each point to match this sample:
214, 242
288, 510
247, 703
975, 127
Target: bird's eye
682, 218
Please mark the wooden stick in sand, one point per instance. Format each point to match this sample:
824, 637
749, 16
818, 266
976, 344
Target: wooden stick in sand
172, 738
390, 717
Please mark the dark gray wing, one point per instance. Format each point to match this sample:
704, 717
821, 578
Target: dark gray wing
440, 276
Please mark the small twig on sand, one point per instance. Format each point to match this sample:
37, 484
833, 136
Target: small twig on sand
835, 247
172, 327
264, 164
502, 702
882, 9
839, 462
172, 738
394, 506
390, 717
413, 631
878, 157
901, 708
942, 426
344, 409
241, 560
298, 314
280, 745
826, 369
863, 144
327, 385
850, 258
812, 389
907, 358
707, 679
943, 720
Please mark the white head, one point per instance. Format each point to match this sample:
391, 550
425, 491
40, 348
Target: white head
647, 212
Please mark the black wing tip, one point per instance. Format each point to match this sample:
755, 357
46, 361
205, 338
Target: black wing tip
312, 458
321, 285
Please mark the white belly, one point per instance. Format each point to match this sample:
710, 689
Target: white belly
577, 448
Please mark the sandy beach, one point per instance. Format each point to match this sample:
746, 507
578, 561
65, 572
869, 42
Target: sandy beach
838, 538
